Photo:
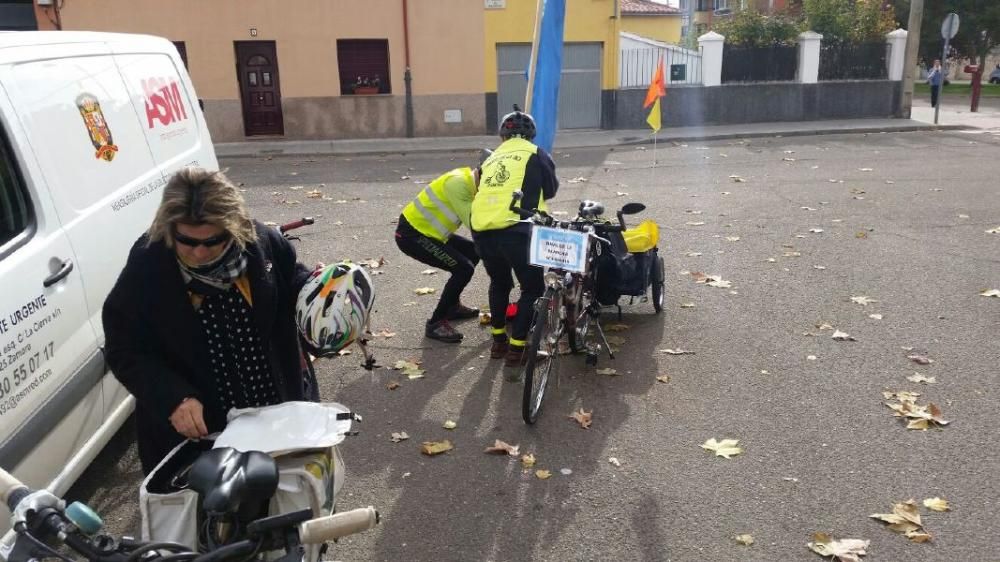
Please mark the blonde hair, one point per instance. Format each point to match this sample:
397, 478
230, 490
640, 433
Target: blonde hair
197, 196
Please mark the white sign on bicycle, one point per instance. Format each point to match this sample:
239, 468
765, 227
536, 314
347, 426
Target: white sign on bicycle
559, 248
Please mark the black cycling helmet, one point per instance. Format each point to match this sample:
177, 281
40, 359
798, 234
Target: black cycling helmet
517, 123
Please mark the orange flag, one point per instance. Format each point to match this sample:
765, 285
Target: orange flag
658, 88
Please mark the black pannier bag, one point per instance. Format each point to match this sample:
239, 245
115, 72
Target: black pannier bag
619, 272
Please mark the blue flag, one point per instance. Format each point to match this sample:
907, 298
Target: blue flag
548, 70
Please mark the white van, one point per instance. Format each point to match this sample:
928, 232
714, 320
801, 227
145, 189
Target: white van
91, 127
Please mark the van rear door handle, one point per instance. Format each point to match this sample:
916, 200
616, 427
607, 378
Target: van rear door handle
58, 276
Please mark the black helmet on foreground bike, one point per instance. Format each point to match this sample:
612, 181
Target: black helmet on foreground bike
517, 124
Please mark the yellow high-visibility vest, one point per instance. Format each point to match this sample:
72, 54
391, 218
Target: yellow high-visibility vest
502, 174
432, 213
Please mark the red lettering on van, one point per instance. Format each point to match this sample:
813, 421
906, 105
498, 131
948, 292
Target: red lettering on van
163, 102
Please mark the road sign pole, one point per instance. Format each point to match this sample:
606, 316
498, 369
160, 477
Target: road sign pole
944, 73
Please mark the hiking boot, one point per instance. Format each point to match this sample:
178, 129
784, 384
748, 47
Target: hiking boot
462, 312
442, 331
515, 357
499, 349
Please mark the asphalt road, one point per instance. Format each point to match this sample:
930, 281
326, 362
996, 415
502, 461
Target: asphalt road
903, 219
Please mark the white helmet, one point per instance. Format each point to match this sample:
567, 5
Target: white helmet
333, 307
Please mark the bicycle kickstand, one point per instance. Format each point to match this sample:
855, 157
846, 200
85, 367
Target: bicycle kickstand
600, 331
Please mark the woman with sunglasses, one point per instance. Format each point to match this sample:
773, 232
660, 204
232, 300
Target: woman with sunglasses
201, 319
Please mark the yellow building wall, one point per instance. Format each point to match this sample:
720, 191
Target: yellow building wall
661, 28
305, 33
591, 21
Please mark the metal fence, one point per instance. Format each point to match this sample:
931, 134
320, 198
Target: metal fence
682, 66
774, 63
854, 61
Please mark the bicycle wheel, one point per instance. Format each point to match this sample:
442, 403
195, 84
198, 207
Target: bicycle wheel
542, 352
659, 282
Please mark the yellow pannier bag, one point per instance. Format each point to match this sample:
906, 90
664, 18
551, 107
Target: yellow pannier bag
643, 237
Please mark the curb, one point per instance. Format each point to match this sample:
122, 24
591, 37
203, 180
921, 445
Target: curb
331, 150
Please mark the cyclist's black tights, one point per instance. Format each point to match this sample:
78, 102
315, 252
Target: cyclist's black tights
503, 251
456, 256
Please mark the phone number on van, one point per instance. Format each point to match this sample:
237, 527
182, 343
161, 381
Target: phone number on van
20, 374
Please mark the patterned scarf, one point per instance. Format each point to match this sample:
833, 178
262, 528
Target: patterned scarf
217, 275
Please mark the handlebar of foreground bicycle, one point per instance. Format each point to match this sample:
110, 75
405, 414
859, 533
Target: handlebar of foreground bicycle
304, 221
313, 531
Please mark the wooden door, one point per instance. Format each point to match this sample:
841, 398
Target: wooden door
257, 67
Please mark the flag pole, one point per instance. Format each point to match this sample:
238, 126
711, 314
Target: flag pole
533, 62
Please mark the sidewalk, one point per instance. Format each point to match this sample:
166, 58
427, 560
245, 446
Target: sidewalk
574, 139
955, 111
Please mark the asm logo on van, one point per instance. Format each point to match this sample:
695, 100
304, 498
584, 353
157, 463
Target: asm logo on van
164, 104
97, 126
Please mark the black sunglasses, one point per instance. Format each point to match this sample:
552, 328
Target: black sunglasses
206, 242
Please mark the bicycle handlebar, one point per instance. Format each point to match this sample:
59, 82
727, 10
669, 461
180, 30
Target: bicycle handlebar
304, 221
332, 527
542, 218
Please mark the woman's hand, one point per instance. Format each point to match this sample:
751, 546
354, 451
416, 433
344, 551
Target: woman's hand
188, 419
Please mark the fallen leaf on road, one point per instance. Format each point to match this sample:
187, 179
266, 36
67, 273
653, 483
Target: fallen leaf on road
400, 436
819, 267
725, 448
314, 194
409, 368
608, 371
810, 357
543, 474
616, 328
578, 180
677, 351
842, 336
875, 316
528, 460
449, 425
789, 152
582, 417
737, 179
792, 254
424, 290
392, 385
431, 448
663, 378
990, 293
745, 540
844, 550
807, 208
861, 234
919, 377
343, 352
687, 305
732, 238
788, 159
503, 448
429, 272
993, 230
717, 282
693, 254
863, 301
485, 318
373, 263
905, 519
385, 333
920, 359
614, 461
815, 230
963, 216
698, 223
920, 417
771, 260
864, 169
621, 193
937, 504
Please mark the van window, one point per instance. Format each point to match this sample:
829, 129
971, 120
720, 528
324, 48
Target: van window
15, 211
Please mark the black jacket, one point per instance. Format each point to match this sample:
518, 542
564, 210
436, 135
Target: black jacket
155, 344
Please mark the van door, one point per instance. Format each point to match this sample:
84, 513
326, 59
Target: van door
50, 367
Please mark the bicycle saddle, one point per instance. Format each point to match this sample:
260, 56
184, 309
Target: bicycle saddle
591, 209
226, 479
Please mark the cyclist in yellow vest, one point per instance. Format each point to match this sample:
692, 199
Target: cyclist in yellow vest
502, 242
426, 233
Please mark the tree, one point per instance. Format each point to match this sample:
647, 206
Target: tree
855, 21
752, 28
978, 33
